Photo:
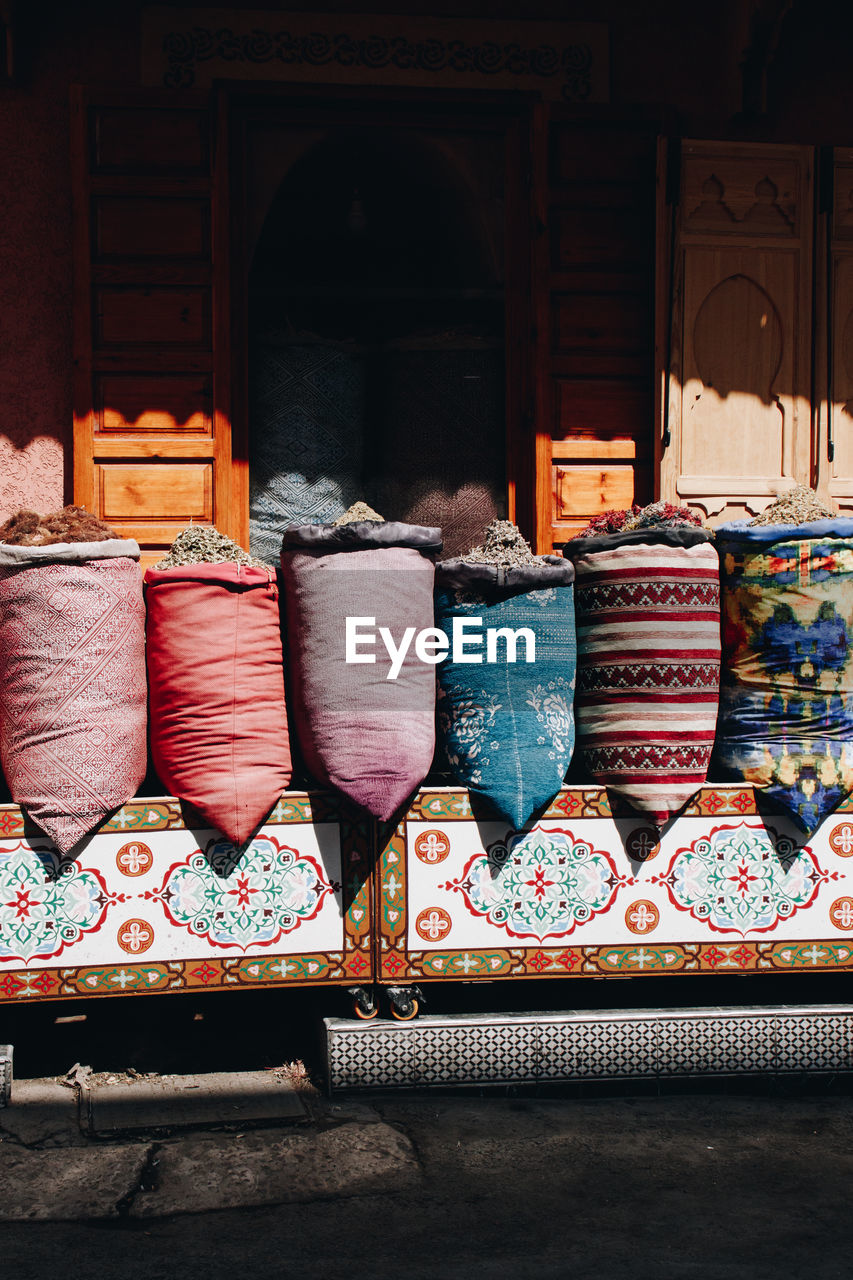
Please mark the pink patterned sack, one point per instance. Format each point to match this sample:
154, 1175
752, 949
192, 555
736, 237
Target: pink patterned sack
369, 737
72, 682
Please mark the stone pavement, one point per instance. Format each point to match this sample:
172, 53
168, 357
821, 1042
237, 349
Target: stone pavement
745, 1185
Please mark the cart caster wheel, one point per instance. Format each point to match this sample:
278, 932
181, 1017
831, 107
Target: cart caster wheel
405, 1002
366, 1015
413, 1008
364, 1004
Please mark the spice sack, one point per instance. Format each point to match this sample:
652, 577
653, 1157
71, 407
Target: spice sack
219, 737
507, 727
369, 736
648, 606
72, 681
786, 705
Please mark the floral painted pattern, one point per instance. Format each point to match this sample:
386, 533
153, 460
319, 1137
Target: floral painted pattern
46, 903
538, 885
271, 891
743, 879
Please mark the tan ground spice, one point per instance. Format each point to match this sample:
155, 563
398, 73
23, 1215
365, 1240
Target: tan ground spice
504, 546
799, 505
204, 544
357, 512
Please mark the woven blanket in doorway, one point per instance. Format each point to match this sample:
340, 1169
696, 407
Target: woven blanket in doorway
648, 608
305, 437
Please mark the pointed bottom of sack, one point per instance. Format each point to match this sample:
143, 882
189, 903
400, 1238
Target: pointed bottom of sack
380, 796
658, 804
66, 832
237, 821
807, 813
516, 810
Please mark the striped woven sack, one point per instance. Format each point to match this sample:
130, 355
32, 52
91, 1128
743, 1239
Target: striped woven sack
648, 609
786, 705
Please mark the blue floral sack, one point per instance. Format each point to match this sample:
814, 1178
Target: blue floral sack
507, 728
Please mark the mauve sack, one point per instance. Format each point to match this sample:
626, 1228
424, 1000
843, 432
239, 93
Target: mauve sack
786, 703
219, 736
72, 682
507, 728
369, 737
648, 606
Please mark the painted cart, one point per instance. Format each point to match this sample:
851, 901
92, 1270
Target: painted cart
593, 891
155, 903
323, 897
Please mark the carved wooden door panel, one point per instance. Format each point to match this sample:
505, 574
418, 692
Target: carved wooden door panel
740, 359
834, 318
152, 430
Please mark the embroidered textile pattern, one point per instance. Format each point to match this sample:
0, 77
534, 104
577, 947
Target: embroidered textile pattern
539, 885
468, 729
439, 460
73, 691
786, 706
743, 878
272, 890
648, 668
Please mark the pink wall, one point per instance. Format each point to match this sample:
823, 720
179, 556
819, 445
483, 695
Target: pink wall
56, 50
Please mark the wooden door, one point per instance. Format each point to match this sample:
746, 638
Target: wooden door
739, 402
834, 329
594, 198
152, 422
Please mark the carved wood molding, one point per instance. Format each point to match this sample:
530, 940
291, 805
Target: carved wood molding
565, 61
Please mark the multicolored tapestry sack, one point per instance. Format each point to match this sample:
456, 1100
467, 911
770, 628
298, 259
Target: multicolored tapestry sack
786, 704
507, 728
219, 736
648, 606
370, 737
72, 682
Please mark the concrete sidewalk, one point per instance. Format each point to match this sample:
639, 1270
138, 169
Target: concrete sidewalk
734, 1187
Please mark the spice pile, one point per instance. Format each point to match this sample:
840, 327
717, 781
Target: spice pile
657, 515
799, 505
71, 524
204, 544
357, 512
503, 546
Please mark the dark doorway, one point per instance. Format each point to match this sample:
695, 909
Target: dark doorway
376, 333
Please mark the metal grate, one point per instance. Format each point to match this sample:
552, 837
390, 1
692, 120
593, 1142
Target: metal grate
547, 1047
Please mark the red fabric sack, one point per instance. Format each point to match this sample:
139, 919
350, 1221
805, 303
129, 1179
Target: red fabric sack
219, 735
72, 682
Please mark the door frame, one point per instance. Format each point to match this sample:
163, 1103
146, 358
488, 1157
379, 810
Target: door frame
240, 106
